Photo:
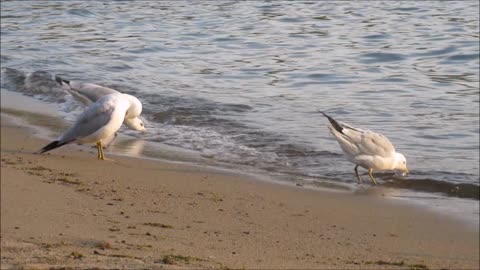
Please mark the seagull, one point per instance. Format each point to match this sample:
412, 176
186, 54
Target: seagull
98, 122
88, 93
368, 149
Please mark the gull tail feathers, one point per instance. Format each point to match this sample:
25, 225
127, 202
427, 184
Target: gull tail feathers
61, 81
334, 123
51, 146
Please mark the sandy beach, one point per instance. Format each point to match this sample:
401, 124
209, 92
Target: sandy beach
68, 209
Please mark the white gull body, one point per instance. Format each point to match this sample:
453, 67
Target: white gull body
88, 93
98, 122
367, 149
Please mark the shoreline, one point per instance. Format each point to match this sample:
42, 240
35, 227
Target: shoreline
39, 116
67, 209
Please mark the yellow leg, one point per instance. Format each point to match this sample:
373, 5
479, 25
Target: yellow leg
102, 157
100, 151
370, 171
99, 146
358, 176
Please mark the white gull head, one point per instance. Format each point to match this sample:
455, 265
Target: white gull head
135, 124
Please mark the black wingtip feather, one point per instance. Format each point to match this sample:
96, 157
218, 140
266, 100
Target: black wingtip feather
334, 123
61, 81
52, 145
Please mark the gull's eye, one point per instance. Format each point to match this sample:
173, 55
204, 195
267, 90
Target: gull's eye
141, 124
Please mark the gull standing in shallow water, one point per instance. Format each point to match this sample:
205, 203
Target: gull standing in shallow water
368, 149
88, 93
100, 121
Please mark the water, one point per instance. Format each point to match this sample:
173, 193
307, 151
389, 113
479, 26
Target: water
240, 82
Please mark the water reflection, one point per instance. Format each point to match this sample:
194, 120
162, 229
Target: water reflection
129, 146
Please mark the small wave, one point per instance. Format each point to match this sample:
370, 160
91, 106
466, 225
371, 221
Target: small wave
36, 83
193, 111
378, 36
436, 52
405, 9
118, 67
309, 83
460, 190
12, 79
80, 12
370, 58
196, 116
393, 79
291, 20
463, 57
320, 75
226, 39
321, 18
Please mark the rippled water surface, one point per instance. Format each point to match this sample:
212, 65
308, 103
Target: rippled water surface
240, 82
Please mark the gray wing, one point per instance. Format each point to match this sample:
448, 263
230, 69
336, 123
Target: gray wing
357, 141
94, 118
88, 93
369, 142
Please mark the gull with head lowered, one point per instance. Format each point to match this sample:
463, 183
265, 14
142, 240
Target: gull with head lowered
98, 122
88, 93
368, 149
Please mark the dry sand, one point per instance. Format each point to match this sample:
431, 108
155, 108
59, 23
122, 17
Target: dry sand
68, 210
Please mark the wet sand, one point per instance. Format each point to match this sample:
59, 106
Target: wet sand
67, 209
